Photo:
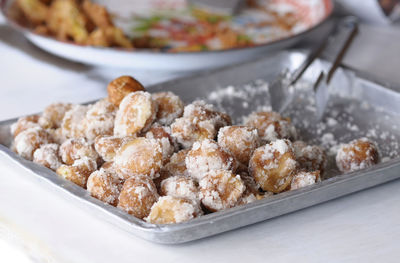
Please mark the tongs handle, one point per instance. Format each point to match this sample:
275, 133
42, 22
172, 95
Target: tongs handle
347, 30
314, 54
337, 47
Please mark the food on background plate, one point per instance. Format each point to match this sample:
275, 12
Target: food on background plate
81, 22
164, 162
172, 26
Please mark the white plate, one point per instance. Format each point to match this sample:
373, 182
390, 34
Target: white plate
165, 61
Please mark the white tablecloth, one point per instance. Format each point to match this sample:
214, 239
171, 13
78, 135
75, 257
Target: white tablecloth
362, 227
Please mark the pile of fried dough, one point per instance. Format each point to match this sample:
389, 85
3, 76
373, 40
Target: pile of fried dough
81, 22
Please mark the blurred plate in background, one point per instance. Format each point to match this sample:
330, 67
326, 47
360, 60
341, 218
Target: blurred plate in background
167, 31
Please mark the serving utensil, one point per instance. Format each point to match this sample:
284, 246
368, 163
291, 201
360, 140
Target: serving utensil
348, 29
282, 91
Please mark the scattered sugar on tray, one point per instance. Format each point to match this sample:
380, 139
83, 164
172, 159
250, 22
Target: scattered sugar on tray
352, 127
331, 122
252, 96
328, 139
365, 105
230, 91
384, 135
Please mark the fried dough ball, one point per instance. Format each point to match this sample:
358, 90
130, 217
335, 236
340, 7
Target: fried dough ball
251, 192
105, 185
273, 165
170, 107
240, 141
251, 185
163, 135
171, 209
177, 164
200, 121
47, 155
71, 124
78, 172
139, 156
162, 176
122, 86
357, 154
65, 21
206, 156
220, 189
304, 178
271, 126
35, 11
137, 196
23, 124
180, 186
75, 149
310, 157
53, 115
57, 135
29, 140
99, 119
136, 113
108, 166
107, 146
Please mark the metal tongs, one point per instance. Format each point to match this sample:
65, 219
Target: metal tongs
335, 47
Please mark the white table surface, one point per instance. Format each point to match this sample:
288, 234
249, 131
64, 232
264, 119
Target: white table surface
362, 227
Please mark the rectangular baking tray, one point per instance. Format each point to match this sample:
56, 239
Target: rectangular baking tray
370, 109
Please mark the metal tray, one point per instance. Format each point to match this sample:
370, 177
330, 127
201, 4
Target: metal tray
360, 106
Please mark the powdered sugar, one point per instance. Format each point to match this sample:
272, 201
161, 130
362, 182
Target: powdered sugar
207, 156
280, 145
